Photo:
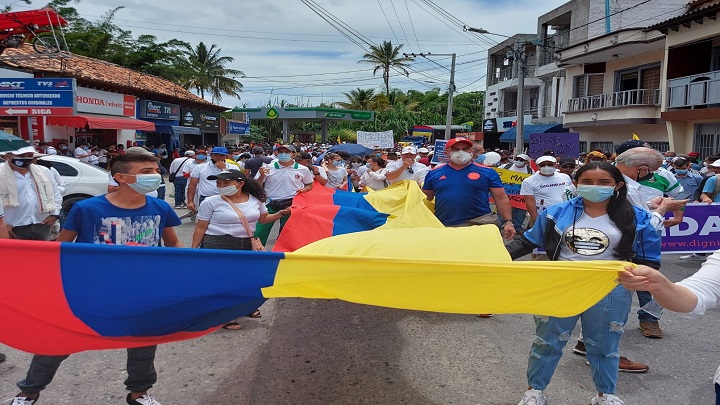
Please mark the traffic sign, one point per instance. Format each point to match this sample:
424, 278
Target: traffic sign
37, 97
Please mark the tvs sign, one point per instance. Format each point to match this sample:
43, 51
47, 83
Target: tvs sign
158, 110
103, 102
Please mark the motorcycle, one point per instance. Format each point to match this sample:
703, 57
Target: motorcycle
19, 28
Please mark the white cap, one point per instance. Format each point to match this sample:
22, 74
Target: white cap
189, 153
23, 150
542, 159
715, 163
523, 157
409, 149
423, 150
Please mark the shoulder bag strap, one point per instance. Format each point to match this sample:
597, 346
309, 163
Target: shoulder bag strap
181, 165
240, 215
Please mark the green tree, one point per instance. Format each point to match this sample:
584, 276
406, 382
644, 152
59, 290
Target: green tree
205, 71
468, 107
359, 99
386, 57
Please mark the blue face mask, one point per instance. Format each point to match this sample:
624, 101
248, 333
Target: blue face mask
480, 158
338, 163
284, 157
200, 157
146, 183
681, 172
369, 166
595, 193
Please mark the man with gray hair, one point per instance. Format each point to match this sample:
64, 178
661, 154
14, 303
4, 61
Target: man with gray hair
647, 183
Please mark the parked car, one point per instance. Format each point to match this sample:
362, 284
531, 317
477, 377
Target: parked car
83, 180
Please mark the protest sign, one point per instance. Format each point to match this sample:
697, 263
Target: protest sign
698, 232
375, 140
563, 144
511, 183
439, 152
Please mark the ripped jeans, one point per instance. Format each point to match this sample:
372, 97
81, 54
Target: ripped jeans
602, 326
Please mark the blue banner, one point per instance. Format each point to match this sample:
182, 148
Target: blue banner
439, 152
237, 128
563, 144
22, 97
158, 110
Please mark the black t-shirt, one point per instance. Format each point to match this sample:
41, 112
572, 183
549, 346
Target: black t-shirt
255, 163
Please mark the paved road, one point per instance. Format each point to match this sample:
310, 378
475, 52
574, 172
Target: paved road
332, 352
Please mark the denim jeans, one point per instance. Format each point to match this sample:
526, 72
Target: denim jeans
180, 183
140, 369
602, 326
643, 298
161, 192
262, 231
518, 219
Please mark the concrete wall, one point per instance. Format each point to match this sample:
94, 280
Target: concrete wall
641, 16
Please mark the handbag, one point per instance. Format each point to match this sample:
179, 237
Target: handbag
171, 176
255, 243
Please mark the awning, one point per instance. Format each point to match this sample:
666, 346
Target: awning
100, 122
177, 130
510, 134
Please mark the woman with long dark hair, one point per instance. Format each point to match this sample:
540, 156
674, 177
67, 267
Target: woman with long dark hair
219, 222
374, 177
600, 224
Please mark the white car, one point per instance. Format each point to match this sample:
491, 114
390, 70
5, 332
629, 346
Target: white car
83, 180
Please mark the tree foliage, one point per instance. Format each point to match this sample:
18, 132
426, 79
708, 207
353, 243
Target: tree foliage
386, 57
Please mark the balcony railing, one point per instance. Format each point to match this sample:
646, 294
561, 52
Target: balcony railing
625, 98
696, 90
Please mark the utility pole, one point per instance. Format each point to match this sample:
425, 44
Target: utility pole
520, 66
451, 87
451, 90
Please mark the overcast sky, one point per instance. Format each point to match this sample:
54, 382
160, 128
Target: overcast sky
289, 52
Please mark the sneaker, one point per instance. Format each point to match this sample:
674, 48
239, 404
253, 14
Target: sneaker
18, 400
694, 257
629, 366
651, 329
606, 399
579, 348
179, 206
533, 397
147, 399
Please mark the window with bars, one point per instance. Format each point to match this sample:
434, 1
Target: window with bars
660, 146
588, 85
641, 77
583, 147
707, 139
605, 147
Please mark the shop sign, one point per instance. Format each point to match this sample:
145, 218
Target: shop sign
204, 120
238, 128
361, 115
23, 97
335, 115
158, 110
104, 102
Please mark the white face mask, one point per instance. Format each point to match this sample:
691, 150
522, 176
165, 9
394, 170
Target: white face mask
228, 191
460, 157
547, 170
519, 163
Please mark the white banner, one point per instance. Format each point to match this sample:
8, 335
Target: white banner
104, 102
375, 140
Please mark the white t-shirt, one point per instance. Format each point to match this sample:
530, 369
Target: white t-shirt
374, 180
206, 187
79, 152
222, 219
416, 172
336, 177
590, 239
283, 182
547, 190
511, 166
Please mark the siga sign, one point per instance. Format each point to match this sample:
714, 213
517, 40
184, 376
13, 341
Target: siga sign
38, 97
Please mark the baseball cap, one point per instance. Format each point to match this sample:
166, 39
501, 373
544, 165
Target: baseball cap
245, 156
694, 154
409, 149
189, 153
236, 175
302, 156
523, 157
627, 145
565, 161
219, 150
715, 163
288, 147
458, 140
257, 150
423, 150
543, 159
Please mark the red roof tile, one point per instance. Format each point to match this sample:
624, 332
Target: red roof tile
95, 73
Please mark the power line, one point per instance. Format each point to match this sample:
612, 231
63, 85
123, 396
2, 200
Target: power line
388, 21
412, 25
401, 25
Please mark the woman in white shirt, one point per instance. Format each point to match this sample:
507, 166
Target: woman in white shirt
374, 177
336, 172
218, 224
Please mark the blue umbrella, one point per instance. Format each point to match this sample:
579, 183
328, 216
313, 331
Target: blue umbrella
353, 149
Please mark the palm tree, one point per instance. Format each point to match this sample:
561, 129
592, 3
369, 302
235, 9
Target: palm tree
359, 99
386, 57
206, 72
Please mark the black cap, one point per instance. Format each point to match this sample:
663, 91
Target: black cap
245, 156
627, 145
258, 150
565, 161
229, 175
303, 155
